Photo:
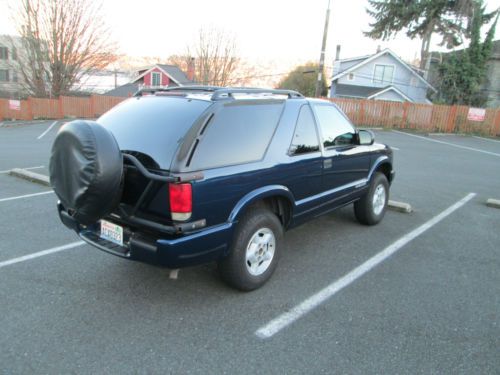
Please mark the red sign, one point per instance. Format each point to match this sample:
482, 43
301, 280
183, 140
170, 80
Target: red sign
476, 114
15, 105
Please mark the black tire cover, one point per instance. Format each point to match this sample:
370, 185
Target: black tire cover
86, 168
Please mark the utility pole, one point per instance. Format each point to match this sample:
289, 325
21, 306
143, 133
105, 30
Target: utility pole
322, 56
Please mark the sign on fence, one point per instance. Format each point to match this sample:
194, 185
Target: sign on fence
476, 114
15, 105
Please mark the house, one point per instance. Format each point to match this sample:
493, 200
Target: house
10, 75
491, 85
159, 75
381, 76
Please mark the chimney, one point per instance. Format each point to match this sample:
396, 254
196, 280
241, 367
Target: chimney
337, 53
190, 69
379, 48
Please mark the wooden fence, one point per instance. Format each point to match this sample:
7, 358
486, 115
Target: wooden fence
421, 117
364, 113
63, 107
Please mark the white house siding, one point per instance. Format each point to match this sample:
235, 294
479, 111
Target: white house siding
402, 79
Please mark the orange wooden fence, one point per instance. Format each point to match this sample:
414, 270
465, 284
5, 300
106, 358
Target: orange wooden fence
422, 117
364, 113
63, 107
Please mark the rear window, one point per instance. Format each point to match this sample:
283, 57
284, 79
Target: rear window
238, 133
152, 125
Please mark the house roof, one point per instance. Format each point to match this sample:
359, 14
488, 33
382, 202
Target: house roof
125, 90
366, 92
377, 55
355, 91
172, 71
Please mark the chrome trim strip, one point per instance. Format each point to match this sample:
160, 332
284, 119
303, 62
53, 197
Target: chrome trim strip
354, 184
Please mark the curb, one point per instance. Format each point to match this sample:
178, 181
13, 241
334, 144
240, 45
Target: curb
495, 203
400, 206
30, 176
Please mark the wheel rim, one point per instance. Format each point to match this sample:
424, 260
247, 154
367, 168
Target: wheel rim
379, 197
260, 251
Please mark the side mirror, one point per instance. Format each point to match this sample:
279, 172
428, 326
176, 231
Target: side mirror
366, 137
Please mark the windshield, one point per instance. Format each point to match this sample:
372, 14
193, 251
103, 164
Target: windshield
153, 125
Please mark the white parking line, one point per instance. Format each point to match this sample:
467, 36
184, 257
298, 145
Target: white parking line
284, 320
447, 143
41, 253
29, 168
25, 196
395, 148
48, 129
486, 139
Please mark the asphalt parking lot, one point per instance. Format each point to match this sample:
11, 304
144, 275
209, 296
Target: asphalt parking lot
427, 301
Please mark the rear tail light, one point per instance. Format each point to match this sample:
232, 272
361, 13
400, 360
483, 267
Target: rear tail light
181, 201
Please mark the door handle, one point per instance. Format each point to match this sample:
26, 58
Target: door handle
327, 163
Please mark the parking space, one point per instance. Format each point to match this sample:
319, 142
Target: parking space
431, 307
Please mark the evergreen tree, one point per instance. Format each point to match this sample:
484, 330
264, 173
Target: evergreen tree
422, 18
463, 72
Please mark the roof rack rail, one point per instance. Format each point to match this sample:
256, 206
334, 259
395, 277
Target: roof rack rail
225, 93
220, 93
193, 88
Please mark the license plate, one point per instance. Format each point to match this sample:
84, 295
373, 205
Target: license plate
112, 232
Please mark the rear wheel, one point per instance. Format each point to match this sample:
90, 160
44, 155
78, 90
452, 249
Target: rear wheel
255, 250
370, 209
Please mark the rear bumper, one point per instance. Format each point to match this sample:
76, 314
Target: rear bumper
204, 246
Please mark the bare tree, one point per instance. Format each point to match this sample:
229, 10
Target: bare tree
62, 41
215, 57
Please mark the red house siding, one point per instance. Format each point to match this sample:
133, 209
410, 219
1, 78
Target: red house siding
165, 81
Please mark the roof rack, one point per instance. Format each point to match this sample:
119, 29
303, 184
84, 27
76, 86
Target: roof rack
193, 88
220, 93
225, 93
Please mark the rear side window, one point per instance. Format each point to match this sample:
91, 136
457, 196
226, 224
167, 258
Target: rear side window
305, 138
238, 133
153, 125
335, 128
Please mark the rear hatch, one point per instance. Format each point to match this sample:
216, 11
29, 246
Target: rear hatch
151, 129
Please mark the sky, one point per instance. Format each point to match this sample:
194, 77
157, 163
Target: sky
278, 30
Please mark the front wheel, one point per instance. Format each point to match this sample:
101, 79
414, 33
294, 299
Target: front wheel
254, 252
370, 209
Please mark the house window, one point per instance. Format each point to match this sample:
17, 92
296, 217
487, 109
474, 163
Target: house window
4, 53
383, 74
350, 77
14, 53
155, 79
14, 76
4, 75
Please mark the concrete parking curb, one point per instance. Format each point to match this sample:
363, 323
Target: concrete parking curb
30, 176
400, 207
493, 203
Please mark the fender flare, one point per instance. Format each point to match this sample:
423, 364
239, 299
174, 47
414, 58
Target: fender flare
384, 159
258, 194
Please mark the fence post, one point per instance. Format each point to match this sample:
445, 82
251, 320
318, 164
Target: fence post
496, 124
452, 115
30, 108
61, 109
91, 101
362, 113
405, 115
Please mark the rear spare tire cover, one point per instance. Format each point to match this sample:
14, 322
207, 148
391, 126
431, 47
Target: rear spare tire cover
86, 169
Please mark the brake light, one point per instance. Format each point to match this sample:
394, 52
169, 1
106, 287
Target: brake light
181, 201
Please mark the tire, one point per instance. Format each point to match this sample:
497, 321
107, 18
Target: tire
255, 251
86, 168
370, 209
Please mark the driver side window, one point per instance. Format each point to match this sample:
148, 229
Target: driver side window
335, 128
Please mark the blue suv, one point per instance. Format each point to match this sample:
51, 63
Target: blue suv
190, 175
